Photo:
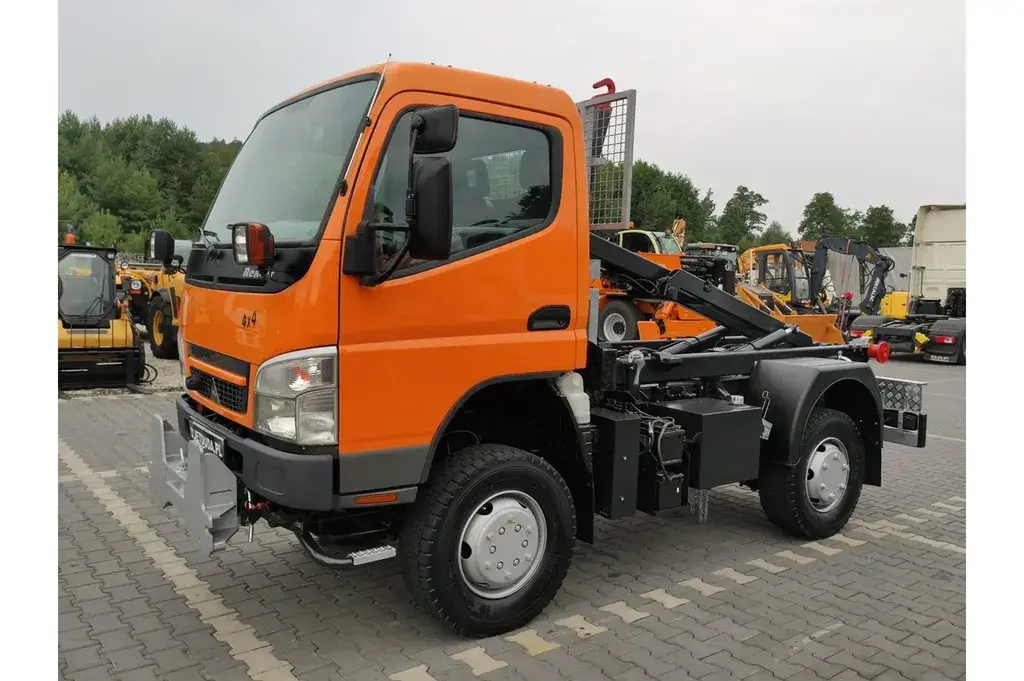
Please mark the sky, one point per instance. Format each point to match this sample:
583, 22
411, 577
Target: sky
861, 98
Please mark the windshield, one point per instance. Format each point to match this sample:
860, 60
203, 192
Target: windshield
668, 245
285, 174
86, 285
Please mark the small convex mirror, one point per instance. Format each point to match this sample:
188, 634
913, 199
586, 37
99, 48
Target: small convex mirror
438, 128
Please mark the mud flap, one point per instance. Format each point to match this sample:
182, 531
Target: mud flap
198, 483
904, 420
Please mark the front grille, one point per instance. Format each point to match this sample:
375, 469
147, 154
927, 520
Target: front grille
227, 395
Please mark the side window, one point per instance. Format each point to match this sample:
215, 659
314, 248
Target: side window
636, 242
776, 274
502, 184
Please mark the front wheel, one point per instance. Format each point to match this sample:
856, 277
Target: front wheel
489, 541
163, 334
816, 497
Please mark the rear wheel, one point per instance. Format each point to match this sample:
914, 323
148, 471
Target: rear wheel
961, 357
816, 497
163, 334
618, 321
489, 541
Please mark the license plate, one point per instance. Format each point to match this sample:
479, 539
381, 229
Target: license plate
206, 440
939, 358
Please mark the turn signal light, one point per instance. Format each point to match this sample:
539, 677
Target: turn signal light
253, 244
879, 352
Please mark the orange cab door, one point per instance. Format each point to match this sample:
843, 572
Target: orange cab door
411, 348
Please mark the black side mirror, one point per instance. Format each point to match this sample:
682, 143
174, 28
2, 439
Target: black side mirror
435, 129
428, 204
431, 235
161, 246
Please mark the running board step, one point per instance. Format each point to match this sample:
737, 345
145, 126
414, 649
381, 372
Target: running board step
332, 557
373, 555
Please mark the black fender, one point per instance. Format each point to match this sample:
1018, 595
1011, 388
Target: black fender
868, 322
573, 461
949, 327
795, 387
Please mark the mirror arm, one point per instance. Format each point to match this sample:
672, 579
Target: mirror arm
380, 277
415, 125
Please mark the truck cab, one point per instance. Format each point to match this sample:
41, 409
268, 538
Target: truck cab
390, 348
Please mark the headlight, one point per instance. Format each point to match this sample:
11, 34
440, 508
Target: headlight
296, 397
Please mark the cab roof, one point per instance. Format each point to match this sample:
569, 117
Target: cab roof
404, 76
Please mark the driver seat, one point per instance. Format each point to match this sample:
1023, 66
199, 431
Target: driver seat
472, 187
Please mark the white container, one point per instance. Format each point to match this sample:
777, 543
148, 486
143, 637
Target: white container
570, 385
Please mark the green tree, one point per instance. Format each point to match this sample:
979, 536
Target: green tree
101, 229
774, 233
659, 197
908, 237
881, 229
741, 218
72, 204
822, 217
120, 180
651, 203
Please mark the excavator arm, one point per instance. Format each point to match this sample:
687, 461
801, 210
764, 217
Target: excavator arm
867, 255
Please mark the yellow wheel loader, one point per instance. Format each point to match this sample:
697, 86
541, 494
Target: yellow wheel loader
154, 291
97, 343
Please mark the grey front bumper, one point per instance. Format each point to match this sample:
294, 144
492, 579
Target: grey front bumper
198, 483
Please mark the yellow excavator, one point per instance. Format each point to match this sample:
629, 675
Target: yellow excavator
97, 343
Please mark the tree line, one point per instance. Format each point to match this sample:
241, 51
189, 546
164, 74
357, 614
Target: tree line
660, 196
120, 180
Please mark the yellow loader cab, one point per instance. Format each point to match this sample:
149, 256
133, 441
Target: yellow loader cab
97, 344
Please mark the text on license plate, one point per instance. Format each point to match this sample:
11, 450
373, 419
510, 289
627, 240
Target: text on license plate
206, 440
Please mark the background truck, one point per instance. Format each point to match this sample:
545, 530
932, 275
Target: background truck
930, 319
475, 436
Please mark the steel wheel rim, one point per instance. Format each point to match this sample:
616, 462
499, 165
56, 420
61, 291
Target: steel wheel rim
828, 475
158, 333
614, 327
508, 529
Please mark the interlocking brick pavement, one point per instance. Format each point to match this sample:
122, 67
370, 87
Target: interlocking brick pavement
654, 598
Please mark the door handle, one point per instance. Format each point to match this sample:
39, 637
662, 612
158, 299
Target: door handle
549, 318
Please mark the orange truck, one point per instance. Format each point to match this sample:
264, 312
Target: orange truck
358, 371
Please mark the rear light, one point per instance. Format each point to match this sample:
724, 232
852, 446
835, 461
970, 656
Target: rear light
253, 244
856, 333
944, 340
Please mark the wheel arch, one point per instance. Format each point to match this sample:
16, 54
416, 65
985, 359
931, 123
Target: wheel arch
528, 412
796, 387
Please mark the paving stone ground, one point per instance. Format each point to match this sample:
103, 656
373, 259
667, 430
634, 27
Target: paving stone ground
653, 599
